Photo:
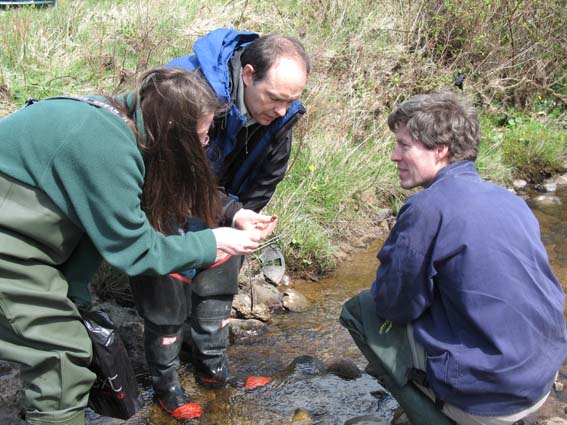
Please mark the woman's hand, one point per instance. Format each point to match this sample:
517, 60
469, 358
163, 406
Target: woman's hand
237, 242
250, 220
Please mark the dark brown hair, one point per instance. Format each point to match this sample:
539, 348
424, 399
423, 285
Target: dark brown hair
178, 180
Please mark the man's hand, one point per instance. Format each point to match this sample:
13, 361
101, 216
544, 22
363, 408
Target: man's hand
249, 220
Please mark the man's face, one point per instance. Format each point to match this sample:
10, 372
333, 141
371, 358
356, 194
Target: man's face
270, 97
417, 165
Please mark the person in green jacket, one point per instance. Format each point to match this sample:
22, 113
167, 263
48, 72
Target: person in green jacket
87, 179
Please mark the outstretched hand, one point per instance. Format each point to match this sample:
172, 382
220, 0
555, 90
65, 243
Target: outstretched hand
250, 220
237, 242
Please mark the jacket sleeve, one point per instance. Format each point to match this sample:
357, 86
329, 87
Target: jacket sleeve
272, 172
229, 209
98, 175
404, 284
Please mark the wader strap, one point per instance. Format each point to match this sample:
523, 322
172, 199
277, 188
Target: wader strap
420, 378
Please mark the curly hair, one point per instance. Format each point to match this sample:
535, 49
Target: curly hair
440, 119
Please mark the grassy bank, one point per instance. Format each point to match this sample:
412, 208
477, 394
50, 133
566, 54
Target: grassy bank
367, 56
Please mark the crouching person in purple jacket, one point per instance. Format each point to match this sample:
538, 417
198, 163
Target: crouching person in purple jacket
464, 321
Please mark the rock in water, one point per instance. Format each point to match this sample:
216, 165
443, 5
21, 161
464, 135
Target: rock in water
301, 417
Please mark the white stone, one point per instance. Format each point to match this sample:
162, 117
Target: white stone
550, 186
519, 184
561, 181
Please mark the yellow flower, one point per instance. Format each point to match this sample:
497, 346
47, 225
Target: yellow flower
311, 168
314, 187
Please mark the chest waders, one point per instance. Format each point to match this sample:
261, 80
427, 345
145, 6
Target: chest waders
40, 327
389, 354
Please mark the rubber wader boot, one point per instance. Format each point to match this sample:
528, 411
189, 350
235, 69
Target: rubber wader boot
209, 336
162, 355
419, 408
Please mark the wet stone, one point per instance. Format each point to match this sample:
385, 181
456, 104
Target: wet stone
547, 200
242, 305
301, 417
293, 300
308, 365
345, 369
268, 295
240, 329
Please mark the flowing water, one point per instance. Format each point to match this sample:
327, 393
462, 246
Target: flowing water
302, 389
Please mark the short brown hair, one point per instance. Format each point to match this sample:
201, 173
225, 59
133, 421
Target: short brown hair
440, 119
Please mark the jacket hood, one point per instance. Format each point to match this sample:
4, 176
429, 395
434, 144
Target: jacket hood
213, 53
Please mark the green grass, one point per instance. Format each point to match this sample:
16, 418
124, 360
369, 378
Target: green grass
535, 150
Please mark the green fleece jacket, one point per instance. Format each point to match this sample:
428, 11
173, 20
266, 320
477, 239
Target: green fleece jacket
87, 162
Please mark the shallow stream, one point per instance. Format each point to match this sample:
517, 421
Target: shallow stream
302, 392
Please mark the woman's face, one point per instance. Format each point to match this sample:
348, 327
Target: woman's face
203, 125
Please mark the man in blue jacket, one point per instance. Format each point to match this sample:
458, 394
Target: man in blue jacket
465, 317
261, 78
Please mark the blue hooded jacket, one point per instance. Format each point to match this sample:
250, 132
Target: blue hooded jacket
212, 54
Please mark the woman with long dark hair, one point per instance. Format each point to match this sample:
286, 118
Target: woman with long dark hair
87, 179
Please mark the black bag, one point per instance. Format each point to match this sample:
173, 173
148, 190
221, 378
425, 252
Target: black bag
115, 391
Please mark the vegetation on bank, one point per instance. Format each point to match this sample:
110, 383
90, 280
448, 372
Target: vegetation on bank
368, 56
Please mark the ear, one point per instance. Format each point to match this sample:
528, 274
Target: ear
248, 74
442, 152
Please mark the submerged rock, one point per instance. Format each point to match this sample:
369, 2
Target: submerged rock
547, 200
301, 417
307, 365
240, 328
345, 369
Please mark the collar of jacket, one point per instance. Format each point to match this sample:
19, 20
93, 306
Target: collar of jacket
457, 167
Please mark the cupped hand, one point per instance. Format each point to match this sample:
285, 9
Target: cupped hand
251, 220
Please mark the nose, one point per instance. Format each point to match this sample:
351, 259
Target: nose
396, 154
281, 109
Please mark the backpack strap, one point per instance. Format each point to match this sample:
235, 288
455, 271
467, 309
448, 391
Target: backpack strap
90, 101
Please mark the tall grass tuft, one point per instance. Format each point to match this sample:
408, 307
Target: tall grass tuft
534, 150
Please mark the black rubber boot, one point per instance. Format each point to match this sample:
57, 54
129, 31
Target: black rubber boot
162, 354
209, 337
